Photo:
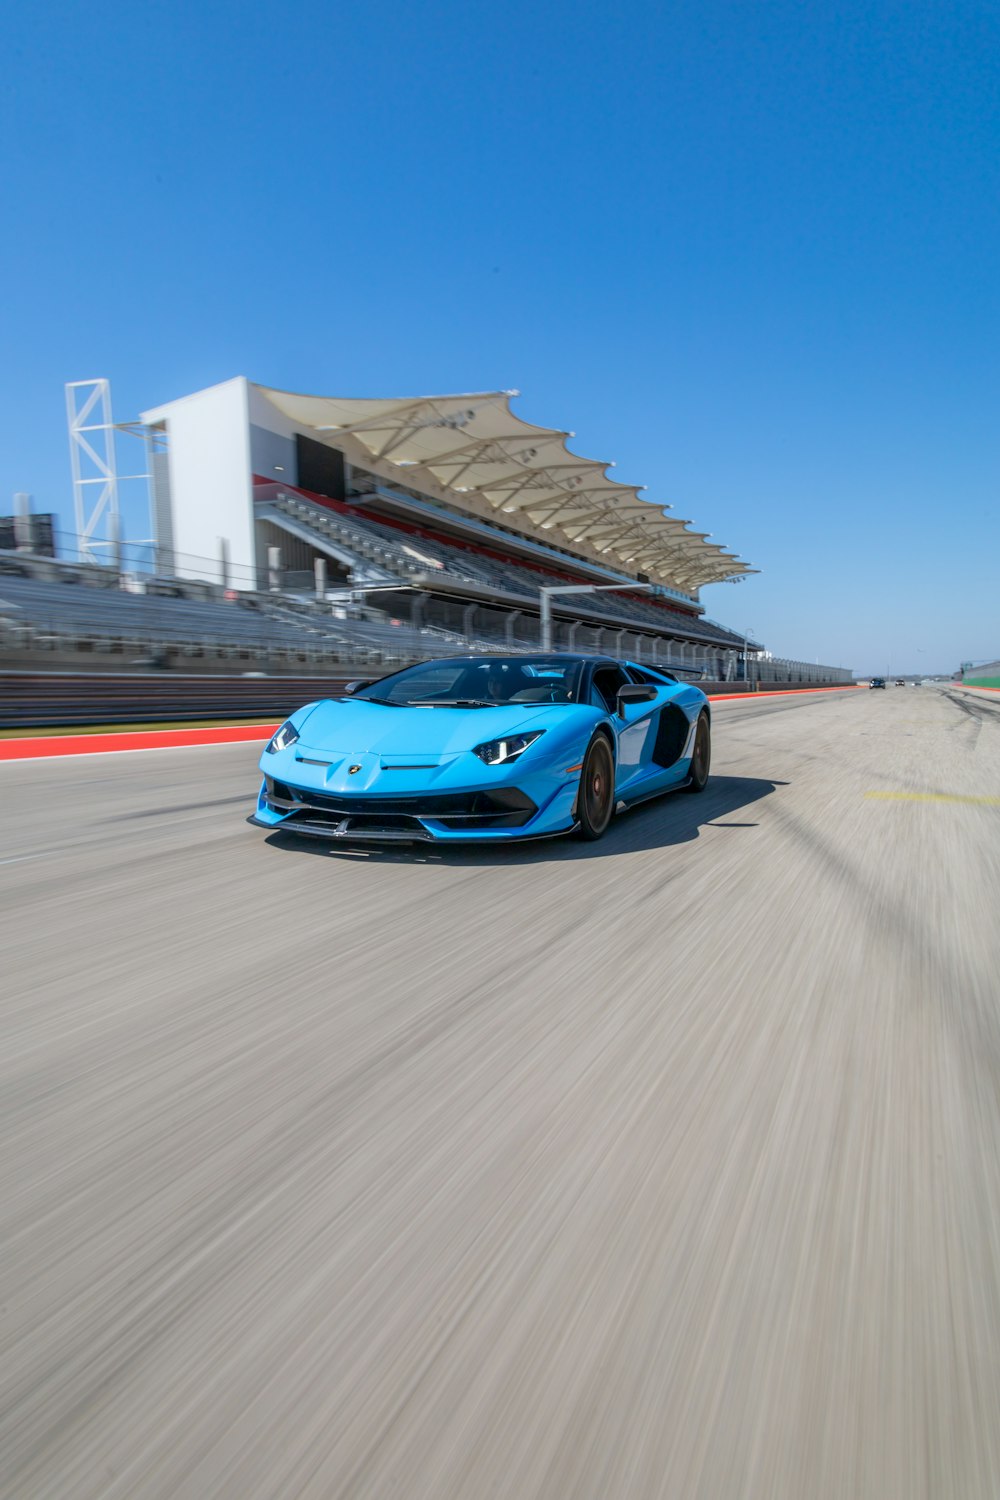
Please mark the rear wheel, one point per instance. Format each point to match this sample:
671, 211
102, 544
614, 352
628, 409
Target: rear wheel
701, 756
596, 798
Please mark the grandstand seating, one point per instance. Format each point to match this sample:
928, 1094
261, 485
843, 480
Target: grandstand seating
45, 613
405, 555
110, 612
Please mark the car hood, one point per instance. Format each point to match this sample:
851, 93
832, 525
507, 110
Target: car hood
359, 725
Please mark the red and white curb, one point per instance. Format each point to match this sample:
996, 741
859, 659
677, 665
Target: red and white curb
42, 746
848, 687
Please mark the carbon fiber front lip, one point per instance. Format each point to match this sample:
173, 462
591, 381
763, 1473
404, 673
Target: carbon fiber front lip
343, 831
351, 836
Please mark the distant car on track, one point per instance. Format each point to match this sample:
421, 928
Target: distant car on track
900, 681
877, 682
494, 748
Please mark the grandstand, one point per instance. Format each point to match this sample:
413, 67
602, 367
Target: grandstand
301, 533
449, 512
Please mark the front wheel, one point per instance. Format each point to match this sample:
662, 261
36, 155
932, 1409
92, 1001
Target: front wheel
596, 798
701, 756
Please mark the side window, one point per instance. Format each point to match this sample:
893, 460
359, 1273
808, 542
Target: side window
638, 674
607, 681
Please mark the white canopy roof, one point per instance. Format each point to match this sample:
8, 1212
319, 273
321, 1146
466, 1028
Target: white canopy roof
475, 447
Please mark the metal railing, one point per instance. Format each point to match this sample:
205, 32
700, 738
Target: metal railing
779, 669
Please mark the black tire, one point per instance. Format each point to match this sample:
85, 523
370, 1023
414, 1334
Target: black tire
701, 756
595, 803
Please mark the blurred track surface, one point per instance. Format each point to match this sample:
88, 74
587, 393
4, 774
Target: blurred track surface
666, 1167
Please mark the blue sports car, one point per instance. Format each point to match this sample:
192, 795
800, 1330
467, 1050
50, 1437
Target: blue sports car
485, 748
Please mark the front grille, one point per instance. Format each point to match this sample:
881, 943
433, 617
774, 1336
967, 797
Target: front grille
506, 807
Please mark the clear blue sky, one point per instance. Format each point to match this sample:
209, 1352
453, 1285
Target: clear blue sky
749, 251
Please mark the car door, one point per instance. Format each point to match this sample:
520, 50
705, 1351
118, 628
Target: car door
635, 728
664, 761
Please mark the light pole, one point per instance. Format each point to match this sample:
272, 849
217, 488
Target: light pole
545, 600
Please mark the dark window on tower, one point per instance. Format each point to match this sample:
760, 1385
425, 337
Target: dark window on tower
320, 469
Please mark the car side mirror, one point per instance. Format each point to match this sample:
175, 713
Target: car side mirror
355, 687
634, 692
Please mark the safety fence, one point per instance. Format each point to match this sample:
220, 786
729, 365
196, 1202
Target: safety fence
35, 700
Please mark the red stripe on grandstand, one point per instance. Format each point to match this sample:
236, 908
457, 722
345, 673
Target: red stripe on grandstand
39, 747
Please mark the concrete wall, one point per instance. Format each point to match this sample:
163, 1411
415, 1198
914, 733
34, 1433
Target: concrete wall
211, 496
272, 440
163, 515
987, 675
272, 456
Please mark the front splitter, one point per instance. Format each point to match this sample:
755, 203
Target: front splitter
341, 835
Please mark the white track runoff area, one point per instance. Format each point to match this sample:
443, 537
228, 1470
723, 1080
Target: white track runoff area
663, 1167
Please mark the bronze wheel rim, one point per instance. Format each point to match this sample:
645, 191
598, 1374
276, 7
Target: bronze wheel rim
597, 786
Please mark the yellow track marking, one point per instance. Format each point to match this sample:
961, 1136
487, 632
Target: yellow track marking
933, 797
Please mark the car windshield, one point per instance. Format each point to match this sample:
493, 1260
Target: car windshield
480, 682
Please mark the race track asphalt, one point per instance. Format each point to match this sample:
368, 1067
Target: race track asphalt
667, 1167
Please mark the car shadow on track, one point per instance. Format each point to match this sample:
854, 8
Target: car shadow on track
670, 820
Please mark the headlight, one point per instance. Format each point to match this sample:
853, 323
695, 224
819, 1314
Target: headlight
499, 752
286, 735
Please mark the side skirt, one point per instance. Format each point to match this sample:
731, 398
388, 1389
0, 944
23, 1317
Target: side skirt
662, 791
